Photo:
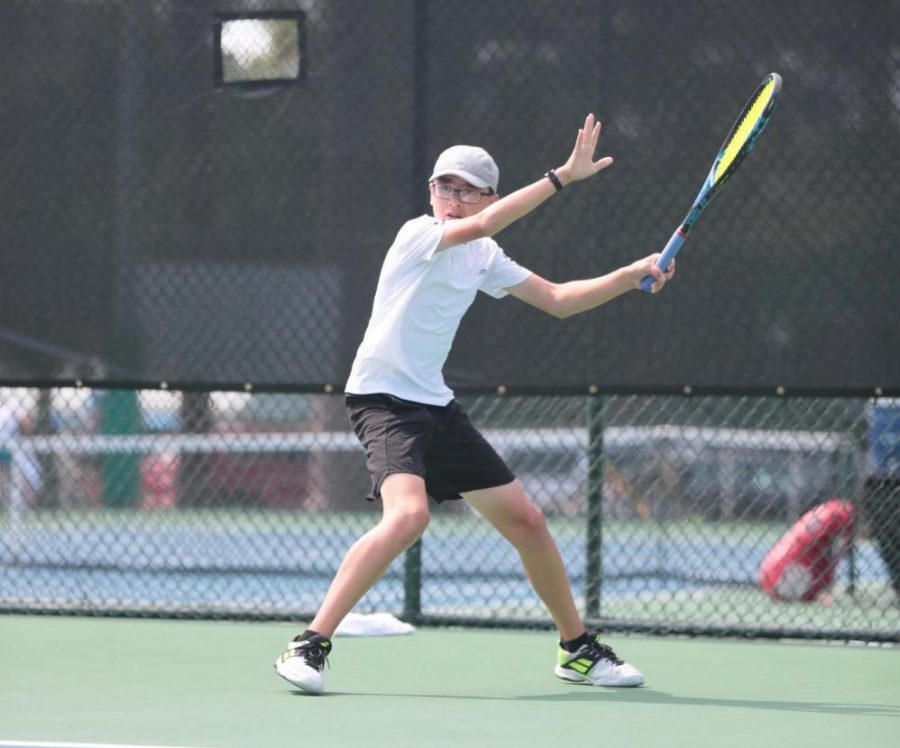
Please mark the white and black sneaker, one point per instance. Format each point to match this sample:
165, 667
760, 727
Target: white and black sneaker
595, 664
303, 661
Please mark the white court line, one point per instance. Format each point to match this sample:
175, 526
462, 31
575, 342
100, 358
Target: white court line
33, 744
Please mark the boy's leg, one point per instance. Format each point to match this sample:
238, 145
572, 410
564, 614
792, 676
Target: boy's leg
404, 518
519, 521
581, 658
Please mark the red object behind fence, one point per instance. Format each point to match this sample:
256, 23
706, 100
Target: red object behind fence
802, 563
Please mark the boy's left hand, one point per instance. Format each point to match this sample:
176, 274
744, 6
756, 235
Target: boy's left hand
581, 164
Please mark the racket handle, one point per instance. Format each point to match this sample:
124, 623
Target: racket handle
665, 259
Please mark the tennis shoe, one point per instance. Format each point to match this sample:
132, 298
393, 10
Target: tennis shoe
595, 664
303, 661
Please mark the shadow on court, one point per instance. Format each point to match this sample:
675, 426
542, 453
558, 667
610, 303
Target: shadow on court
646, 696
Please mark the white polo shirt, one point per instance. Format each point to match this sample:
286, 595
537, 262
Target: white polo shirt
422, 295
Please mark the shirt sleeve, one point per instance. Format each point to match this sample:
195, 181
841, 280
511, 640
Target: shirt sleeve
502, 273
419, 238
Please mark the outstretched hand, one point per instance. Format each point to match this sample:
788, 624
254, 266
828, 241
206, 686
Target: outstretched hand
581, 163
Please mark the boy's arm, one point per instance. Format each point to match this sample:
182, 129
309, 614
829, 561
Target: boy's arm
565, 299
501, 213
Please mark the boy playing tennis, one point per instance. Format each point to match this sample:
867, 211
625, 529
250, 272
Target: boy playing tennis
418, 440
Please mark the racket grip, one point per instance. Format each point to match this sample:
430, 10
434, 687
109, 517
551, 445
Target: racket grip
665, 259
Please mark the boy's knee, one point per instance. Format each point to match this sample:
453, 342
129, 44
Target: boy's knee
405, 506
529, 523
408, 523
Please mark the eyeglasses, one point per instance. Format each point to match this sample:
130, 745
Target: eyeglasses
470, 197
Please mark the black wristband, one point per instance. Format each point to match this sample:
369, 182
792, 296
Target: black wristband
551, 175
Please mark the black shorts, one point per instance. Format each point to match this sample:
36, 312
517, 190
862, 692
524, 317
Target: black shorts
438, 443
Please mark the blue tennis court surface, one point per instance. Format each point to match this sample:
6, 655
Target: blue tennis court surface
274, 566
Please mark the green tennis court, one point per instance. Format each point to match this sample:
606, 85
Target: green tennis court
108, 681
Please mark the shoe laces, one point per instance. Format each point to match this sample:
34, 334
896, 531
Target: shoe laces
604, 652
312, 652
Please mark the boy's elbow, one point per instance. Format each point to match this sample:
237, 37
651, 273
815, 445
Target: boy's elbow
556, 306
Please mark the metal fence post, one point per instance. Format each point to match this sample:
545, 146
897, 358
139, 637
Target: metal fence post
412, 560
850, 471
594, 546
412, 582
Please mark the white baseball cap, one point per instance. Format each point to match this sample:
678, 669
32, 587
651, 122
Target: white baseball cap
468, 162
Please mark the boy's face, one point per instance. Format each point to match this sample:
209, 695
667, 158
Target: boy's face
449, 197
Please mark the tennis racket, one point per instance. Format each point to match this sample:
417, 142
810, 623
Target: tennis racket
744, 134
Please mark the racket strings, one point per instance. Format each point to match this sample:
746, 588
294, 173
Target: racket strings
746, 130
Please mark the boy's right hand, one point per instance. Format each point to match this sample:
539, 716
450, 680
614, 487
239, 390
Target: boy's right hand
639, 269
581, 164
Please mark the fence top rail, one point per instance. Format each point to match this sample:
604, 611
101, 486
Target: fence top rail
538, 438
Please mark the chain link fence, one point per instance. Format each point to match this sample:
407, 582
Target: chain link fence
749, 516
198, 198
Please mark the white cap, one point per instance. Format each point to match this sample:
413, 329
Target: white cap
468, 162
